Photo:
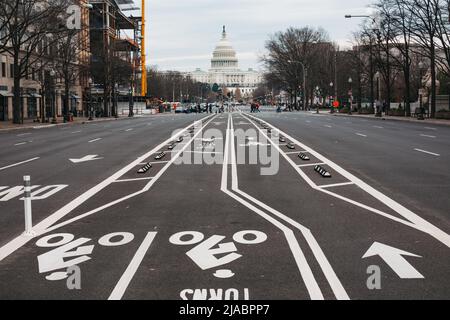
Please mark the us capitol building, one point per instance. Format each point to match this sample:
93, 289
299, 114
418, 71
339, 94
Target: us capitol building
225, 70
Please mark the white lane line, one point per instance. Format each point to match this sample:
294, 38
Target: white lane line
132, 180
429, 128
23, 134
202, 152
428, 152
409, 218
19, 163
76, 132
328, 126
146, 188
45, 224
95, 140
296, 152
299, 257
337, 185
311, 165
20, 144
378, 127
428, 136
128, 130
154, 162
129, 273
361, 135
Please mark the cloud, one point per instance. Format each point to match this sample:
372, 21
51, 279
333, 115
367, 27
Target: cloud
183, 34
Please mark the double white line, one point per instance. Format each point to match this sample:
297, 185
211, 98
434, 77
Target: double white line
305, 270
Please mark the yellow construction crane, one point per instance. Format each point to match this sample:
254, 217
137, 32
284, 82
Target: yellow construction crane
143, 54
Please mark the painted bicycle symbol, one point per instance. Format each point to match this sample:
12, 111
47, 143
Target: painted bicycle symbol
205, 253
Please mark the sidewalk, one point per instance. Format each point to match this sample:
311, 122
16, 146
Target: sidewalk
29, 124
393, 118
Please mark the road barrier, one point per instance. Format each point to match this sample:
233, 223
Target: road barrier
304, 157
145, 168
160, 155
324, 173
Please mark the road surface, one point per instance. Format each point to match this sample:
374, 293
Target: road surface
231, 212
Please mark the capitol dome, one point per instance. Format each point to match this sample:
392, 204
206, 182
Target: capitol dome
224, 56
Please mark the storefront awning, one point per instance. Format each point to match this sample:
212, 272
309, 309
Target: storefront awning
74, 96
35, 95
6, 94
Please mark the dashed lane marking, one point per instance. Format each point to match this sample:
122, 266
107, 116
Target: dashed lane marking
428, 152
19, 163
428, 136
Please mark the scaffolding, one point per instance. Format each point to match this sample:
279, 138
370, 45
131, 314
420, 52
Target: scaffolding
115, 37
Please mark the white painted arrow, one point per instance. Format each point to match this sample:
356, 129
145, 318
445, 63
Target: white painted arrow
394, 258
91, 157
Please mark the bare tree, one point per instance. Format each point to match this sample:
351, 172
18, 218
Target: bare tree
426, 17
33, 28
401, 23
292, 58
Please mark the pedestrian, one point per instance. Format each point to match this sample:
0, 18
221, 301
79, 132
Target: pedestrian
210, 108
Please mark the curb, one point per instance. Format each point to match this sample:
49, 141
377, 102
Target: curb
37, 127
411, 120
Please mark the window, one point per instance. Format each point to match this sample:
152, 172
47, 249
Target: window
4, 69
11, 70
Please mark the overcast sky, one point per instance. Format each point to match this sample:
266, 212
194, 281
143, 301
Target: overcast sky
181, 34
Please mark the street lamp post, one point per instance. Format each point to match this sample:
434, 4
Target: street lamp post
350, 93
305, 70
90, 100
53, 75
372, 93
421, 108
331, 98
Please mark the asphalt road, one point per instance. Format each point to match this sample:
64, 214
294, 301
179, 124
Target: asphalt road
231, 212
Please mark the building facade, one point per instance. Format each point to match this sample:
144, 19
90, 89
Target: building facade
41, 88
225, 71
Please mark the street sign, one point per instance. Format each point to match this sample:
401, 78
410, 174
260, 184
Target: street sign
336, 104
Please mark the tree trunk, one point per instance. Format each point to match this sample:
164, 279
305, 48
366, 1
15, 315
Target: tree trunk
433, 83
17, 119
66, 98
407, 91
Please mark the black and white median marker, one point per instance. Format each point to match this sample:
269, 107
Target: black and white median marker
324, 173
180, 139
290, 145
160, 155
145, 168
282, 139
304, 157
171, 146
27, 206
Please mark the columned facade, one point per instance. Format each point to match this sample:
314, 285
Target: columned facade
225, 70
